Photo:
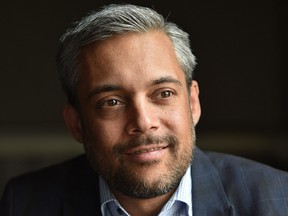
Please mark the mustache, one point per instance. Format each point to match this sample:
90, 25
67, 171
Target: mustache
121, 148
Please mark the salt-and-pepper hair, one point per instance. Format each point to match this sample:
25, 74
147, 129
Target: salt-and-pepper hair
114, 20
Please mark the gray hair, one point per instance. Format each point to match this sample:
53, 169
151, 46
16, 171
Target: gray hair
115, 20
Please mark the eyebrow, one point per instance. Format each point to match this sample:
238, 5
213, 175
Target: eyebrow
103, 88
110, 87
167, 79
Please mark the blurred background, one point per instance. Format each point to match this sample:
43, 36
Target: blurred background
241, 47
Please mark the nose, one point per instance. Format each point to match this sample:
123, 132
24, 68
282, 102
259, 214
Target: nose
142, 118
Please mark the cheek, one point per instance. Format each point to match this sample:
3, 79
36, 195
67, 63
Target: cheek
102, 136
179, 122
179, 117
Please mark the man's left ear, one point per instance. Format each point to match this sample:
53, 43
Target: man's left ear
195, 102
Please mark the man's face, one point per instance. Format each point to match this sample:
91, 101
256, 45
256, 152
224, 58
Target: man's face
135, 117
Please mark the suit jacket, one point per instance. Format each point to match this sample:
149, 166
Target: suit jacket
222, 185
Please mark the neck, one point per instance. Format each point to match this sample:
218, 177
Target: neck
145, 207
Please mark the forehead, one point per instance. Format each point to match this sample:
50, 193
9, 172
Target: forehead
133, 57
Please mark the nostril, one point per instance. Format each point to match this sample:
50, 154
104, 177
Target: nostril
141, 117
140, 127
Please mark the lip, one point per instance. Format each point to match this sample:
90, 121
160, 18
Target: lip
146, 153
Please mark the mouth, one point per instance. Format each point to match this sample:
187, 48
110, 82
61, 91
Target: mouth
145, 149
146, 153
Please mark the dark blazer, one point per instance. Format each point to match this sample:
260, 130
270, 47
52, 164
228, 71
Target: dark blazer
222, 185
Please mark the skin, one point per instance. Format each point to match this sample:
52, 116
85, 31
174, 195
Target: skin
135, 90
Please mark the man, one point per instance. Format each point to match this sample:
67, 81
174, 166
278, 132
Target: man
133, 104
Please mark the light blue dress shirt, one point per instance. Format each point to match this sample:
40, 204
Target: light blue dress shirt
180, 204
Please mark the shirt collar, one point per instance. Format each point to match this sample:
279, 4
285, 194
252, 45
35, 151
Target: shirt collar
182, 194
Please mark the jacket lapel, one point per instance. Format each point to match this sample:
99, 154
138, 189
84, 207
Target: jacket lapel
209, 197
82, 196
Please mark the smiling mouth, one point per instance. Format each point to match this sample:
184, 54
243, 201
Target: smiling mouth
145, 149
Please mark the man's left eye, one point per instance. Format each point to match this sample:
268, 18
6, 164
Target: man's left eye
166, 94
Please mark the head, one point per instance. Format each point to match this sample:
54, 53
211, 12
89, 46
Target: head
132, 101
116, 20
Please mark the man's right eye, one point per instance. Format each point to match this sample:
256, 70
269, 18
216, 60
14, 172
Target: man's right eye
110, 103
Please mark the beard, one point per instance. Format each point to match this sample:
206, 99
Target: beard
126, 179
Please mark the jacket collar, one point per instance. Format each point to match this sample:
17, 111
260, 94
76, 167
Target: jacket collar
209, 197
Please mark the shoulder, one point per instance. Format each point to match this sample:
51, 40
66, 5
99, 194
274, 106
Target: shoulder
249, 185
228, 164
45, 190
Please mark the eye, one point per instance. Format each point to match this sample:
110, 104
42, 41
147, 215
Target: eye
110, 103
166, 94
163, 95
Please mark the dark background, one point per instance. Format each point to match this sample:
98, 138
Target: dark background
241, 47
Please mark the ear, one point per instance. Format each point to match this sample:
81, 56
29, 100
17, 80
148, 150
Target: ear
195, 102
73, 122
